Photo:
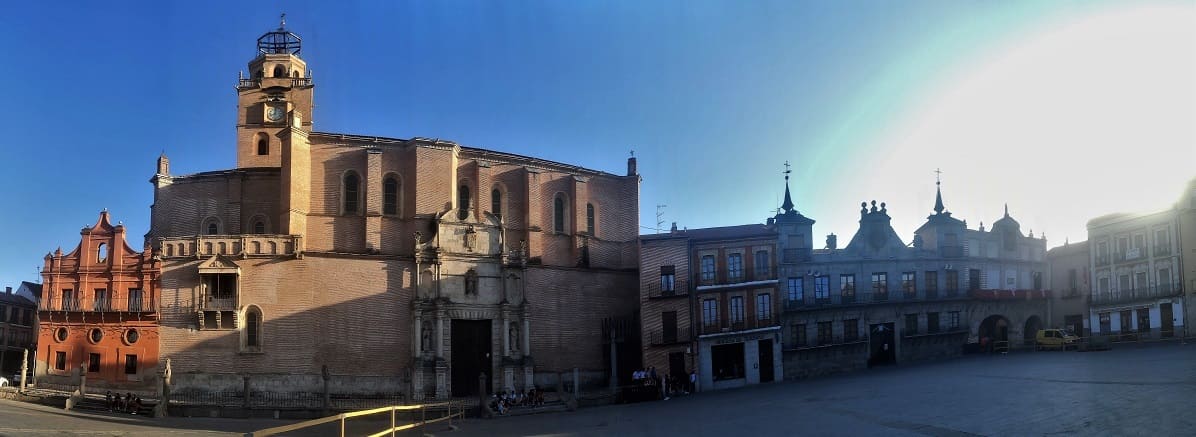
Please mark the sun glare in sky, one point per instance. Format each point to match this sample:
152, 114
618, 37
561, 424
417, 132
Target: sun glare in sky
1073, 121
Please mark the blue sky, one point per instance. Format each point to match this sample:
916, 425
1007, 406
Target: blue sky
865, 98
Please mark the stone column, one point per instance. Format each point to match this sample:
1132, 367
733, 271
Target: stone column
439, 335
83, 379
527, 339
506, 336
24, 370
419, 335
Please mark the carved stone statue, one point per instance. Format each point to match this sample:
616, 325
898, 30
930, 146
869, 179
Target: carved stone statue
426, 337
513, 333
470, 238
471, 282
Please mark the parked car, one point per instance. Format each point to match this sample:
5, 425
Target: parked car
1055, 338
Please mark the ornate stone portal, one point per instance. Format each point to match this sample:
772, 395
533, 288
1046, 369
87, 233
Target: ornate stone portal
464, 277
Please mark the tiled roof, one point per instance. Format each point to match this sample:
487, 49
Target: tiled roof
15, 300
717, 233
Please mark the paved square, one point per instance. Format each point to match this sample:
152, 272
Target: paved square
1127, 391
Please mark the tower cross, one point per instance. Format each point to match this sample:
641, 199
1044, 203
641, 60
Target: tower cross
787, 171
282, 21
938, 174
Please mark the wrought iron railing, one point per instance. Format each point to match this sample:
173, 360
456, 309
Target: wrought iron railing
219, 303
657, 290
133, 304
810, 302
1142, 293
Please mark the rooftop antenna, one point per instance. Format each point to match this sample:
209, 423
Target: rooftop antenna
659, 217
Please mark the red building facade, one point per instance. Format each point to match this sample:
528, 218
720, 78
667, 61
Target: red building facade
99, 312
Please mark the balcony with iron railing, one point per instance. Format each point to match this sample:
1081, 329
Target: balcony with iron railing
658, 290
1162, 250
1102, 260
121, 304
664, 338
842, 299
250, 83
218, 303
1137, 294
738, 325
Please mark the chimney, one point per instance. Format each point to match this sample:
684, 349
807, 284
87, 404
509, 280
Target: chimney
631, 170
7, 290
832, 241
674, 229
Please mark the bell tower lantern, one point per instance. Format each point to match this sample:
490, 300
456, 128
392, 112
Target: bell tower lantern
277, 92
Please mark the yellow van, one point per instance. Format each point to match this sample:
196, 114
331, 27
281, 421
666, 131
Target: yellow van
1055, 338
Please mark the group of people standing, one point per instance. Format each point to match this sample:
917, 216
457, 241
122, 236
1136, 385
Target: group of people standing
666, 385
130, 403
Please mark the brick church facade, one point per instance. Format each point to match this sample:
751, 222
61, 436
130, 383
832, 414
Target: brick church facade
405, 266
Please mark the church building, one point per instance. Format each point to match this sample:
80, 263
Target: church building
413, 266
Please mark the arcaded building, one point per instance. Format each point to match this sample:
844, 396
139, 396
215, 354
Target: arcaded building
881, 300
409, 266
99, 311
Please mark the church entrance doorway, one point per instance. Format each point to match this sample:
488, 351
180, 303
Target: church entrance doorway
471, 356
880, 340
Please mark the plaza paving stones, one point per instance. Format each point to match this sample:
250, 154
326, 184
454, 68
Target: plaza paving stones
1127, 391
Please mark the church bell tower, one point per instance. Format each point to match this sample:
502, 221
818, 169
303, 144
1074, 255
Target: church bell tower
275, 97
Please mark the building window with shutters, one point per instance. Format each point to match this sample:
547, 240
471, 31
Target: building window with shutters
851, 330
798, 334
822, 288
880, 286
796, 294
764, 309
736, 310
734, 267
909, 285
847, 288
825, 333
932, 322
710, 313
953, 321
708, 269
763, 269
668, 280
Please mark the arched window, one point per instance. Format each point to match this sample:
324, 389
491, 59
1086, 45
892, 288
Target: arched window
280, 71
390, 196
558, 213
102, 253
590, 219
263, 144
213, 228
496, 202
351, 193
252, 334
463, 202
295, 74
259, 227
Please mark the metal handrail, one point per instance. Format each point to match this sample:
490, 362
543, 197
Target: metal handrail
394, 427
